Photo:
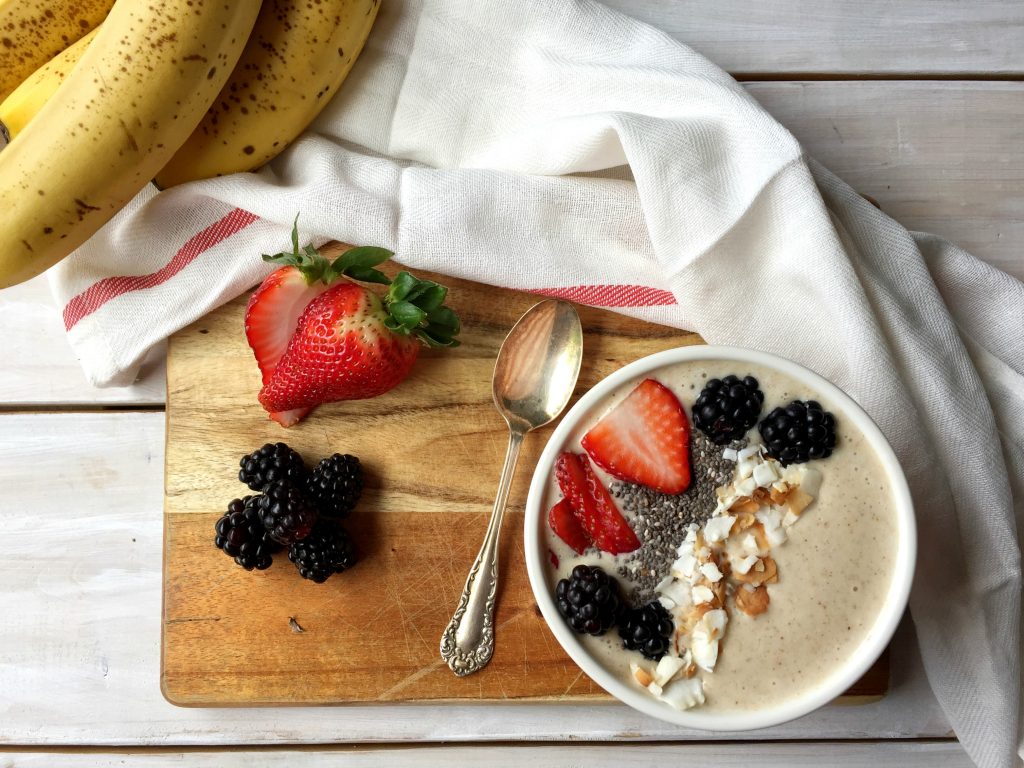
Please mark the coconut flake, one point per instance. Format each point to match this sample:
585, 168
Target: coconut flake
810, 481
729, 454
765, 475
717, 528
701, 594
683, 567
711, 572
744, 564
677, 592
667, 668
750, 450
685, 693
746, 486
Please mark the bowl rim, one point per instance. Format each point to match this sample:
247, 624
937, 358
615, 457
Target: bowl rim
890, 613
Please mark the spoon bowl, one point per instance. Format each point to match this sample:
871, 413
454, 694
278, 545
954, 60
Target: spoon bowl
537, 365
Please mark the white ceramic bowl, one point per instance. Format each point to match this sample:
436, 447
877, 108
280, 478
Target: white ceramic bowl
855, 666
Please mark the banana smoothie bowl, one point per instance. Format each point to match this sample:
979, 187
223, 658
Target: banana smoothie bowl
720, 538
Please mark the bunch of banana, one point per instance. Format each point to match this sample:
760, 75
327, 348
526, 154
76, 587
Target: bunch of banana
34, 31
177, 90
18, 109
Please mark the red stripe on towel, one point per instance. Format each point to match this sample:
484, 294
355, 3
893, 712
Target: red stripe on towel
611, 295
98, 294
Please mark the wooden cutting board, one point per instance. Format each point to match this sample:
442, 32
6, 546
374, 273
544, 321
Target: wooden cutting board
432, 451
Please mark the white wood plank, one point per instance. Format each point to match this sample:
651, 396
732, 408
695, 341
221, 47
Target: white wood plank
80, 560
906, 755
38, 365
839, 36
941, 157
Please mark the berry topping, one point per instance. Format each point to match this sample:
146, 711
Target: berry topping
336, 485
563, 522
241, 535
645, 439
274, 461
799, 432
647, 629
588, 600
327, 550
727, 408
593, 505
286, 512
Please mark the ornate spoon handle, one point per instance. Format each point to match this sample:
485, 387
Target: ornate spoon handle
468, 642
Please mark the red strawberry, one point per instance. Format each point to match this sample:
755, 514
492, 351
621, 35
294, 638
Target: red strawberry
342, 350
593, 505
645, 439
563, 522
334, 339
271, 319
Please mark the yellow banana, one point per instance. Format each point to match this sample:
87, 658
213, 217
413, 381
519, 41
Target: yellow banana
28, 98
297, 58
34, 31
136, 94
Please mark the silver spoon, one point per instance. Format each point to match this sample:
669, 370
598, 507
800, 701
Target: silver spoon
534, 377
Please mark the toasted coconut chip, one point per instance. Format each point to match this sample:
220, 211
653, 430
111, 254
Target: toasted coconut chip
764, 571
798, 500
744, 504
744, 521
753, 602
779, 496
761, 496
641, 675
760, 536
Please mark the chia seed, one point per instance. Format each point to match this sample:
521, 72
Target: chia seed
660, 520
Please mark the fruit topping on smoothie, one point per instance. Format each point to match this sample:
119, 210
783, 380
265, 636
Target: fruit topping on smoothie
727, 408
691, 555
563, 522
647, 629
593, 505
589, 600
799, 432
645, 439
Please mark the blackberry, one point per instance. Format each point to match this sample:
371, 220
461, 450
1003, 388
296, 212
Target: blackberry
286, 512
799, 432
327, 550
647, 629
274, 461
727, 408
336, 484
589, 600
241, 535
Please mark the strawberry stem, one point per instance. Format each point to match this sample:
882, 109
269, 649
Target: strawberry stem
415, 307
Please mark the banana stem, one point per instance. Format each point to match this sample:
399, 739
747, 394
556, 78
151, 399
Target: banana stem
5, 135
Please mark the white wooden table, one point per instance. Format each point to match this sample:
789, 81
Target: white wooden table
919, 104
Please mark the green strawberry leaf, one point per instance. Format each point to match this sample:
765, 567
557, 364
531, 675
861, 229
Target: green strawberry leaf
407, 315
358, 263
403, 284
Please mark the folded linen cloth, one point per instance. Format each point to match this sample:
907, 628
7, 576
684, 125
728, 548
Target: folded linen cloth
559, 147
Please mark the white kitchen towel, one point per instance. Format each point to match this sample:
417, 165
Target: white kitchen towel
559, 147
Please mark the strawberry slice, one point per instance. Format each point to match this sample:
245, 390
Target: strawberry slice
270, 322
563, 522
593, 505
645, 439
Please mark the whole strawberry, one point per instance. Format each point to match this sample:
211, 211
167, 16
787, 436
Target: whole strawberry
346, 342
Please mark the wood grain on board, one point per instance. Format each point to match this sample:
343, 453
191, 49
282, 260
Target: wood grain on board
432, 451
